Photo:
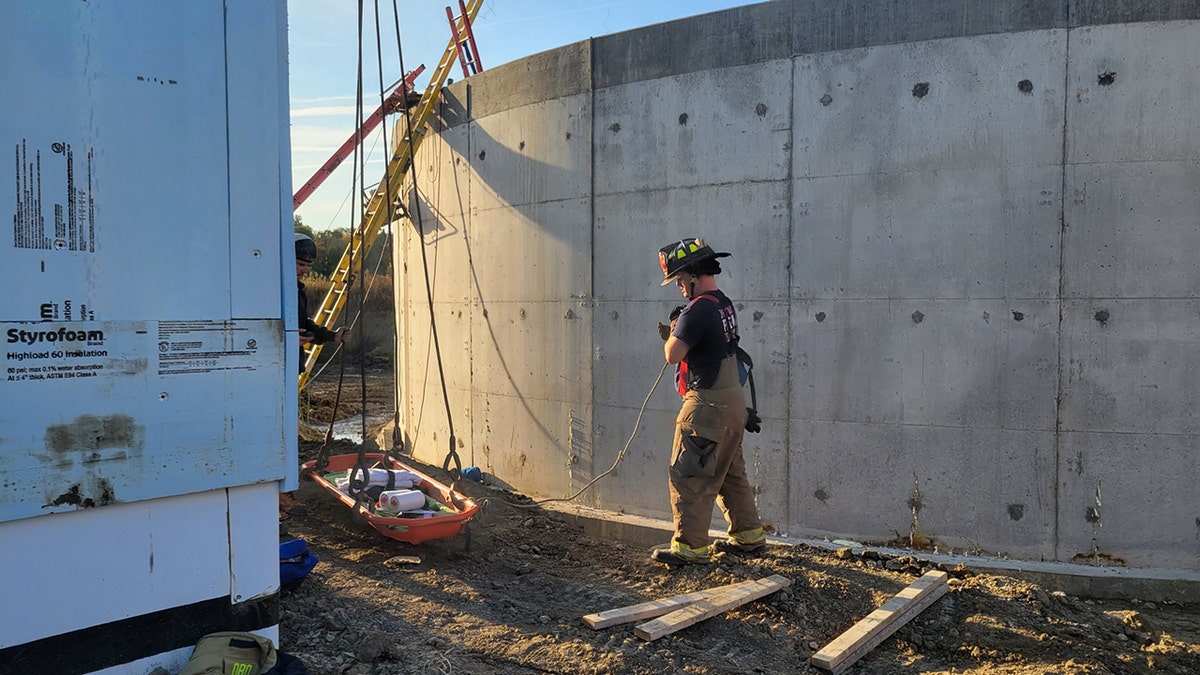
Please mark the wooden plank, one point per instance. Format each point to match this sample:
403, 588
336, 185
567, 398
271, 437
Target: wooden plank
710, 607
653, 608
865, 635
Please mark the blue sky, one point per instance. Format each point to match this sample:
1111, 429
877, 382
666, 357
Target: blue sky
323, 65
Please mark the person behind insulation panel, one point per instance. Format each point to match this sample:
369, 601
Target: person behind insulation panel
706, 453
310, 331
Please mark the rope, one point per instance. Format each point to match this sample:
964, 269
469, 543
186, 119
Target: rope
349, 193
620, 455
356, 484
397, 439
357, 315
397, 446
359, 476
362, 343
452, 453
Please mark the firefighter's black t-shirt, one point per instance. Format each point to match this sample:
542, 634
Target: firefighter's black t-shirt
708, 326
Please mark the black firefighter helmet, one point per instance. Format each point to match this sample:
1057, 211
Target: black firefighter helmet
683, 256
306, 248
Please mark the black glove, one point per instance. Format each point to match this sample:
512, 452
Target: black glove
753, 421
664, 330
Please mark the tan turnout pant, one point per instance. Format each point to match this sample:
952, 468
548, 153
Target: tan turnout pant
707, 464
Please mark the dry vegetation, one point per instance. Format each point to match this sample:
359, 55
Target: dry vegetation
368, 312
370, 350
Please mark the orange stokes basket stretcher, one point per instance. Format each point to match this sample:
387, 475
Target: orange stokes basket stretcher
453, 509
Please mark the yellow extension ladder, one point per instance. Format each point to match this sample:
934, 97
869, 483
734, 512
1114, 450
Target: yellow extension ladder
376, 213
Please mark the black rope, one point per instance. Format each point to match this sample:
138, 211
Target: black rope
360, 474
397, 447
397, 438
387, 191
323, 453
452, 454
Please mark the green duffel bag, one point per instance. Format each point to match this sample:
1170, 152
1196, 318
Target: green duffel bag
231, 653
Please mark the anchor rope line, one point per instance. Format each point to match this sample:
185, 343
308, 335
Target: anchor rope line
620, 455
432, 94
394, 179
357, 159
394, 449
452, 453
390, 205
399, 160
359, 474
397, 446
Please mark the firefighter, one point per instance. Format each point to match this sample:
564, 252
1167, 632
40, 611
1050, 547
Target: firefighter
310, 331
706, 453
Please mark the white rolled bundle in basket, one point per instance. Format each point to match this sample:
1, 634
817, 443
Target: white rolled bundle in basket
394, 480
402, 500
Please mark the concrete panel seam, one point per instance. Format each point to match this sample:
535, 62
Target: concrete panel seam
1062, 238
790, 195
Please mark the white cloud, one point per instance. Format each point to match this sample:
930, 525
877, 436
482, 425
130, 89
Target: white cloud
344, 98
323, 140
344, 111
374, 169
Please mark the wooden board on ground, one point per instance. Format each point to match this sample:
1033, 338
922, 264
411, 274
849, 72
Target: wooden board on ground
709, 607
865, 635
653, 608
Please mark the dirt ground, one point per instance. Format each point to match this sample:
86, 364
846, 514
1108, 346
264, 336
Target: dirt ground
507, 596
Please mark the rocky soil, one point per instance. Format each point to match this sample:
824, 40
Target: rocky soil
507, 596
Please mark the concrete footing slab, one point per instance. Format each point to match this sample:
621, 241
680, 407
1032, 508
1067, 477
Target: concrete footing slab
1084, 581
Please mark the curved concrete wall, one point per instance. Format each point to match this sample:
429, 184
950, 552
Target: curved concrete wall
963, 239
